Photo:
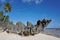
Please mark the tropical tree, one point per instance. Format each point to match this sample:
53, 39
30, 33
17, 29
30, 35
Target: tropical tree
1, 16
6, 19
1, 13
7, 8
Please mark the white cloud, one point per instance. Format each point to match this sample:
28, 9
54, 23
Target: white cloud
35, 1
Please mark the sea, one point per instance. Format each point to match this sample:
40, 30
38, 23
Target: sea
53, 31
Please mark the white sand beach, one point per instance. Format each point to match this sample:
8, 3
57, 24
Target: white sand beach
40, 36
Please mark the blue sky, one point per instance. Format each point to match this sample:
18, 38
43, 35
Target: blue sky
33, 10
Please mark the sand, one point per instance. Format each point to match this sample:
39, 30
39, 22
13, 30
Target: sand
40, 36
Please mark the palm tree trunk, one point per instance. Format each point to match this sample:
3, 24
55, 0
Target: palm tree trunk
5, 18
4, 22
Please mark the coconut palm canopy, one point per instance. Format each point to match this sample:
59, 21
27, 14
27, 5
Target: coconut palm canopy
7, 7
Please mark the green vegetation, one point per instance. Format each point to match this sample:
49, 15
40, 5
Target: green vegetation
1, 16
5, 18
7, 7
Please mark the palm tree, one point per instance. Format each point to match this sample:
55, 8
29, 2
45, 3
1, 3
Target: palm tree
7, 18
4, 19
1, 13
7, 8
1, 16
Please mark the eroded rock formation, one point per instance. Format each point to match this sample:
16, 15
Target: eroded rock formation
21, 29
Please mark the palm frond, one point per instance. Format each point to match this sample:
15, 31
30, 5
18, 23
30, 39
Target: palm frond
7, 7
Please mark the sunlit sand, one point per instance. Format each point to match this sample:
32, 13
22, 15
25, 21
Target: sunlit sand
40, 36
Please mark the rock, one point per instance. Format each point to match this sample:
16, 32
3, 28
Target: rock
21, 29
3, 26
29, 24
42, 24
31, 28
12, 28
20, 26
